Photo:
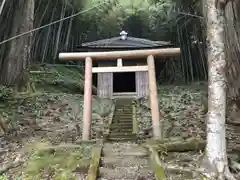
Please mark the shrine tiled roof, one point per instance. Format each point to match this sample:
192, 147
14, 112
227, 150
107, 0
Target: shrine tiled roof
127, 42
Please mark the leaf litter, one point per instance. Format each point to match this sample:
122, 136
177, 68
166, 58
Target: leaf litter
54, 119
181, 108
50, 120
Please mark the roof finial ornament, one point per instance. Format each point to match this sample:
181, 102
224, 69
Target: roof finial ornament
123, 35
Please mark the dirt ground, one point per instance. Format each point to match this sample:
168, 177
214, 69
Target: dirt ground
51, 119
181, 107
45, 121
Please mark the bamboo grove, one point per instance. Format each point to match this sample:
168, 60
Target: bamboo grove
181, 22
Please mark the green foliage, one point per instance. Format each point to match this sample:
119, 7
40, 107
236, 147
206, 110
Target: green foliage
151, 19
59, 79
141, 18
3, 177
8, 104
6, 94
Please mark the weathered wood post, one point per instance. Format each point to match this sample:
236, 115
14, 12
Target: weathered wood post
156, 125
87, 106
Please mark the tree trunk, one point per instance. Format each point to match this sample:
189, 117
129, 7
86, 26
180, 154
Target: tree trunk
16, 61
63, 12
215, 161
2, 6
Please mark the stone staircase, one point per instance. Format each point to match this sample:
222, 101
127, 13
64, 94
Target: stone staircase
120, 163
120, 160
122, 125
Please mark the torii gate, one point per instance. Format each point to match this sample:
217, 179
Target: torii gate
157, 124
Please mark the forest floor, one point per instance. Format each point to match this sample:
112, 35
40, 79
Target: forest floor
43, 136
42, 123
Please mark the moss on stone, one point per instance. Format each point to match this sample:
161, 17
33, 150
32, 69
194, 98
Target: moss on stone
59, 163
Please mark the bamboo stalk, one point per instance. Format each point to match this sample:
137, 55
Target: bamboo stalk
2, 5
59, 32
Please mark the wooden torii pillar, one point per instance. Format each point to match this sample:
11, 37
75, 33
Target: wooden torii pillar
157, 124
87, 103
121, 55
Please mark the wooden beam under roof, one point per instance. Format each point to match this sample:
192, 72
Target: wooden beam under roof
119, 69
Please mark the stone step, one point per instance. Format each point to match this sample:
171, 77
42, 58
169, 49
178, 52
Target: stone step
126, 130
122, 114
123, 131
124, 102
123, 106
109, 160
122, 121
122, 139
120, 128
123, 110
122, 118
120, 162
121, 134
128, 109
122, 148
122, 125
119, 116
125, 173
